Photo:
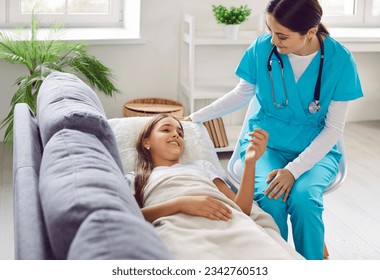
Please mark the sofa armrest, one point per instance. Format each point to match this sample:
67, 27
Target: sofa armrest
31, 241
85, 197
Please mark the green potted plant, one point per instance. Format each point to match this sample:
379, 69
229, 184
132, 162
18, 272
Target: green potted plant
231, 17
41, 57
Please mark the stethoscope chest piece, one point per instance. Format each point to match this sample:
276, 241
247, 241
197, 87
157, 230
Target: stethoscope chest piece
314, 107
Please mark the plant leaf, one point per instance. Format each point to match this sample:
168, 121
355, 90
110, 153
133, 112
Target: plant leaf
41, 57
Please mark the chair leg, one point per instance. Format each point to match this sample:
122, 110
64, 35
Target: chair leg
325, 251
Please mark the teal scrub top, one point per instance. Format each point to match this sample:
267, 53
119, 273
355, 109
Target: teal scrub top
292, 128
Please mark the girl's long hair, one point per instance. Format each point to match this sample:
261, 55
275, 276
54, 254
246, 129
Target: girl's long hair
144, 162
298, 16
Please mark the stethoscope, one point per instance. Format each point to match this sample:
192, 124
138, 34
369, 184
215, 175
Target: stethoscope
314, 105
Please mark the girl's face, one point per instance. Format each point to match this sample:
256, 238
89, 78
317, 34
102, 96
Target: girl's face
286, 40
165, 142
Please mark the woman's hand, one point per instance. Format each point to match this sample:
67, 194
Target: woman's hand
257, 145
281, 181
205, 206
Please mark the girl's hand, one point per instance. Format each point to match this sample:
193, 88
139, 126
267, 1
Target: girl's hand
205, 206
281, 181
257, 145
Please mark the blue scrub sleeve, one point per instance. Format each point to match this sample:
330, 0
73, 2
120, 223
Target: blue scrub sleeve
348, 86
247, 66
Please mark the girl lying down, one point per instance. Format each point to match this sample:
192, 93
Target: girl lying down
194, 211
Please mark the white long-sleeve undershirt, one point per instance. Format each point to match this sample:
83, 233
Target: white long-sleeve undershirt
234, 100
319, 147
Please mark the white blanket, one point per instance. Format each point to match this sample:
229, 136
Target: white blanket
194, 237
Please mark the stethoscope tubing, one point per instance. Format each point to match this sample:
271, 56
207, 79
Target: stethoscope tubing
317, 90
314, 105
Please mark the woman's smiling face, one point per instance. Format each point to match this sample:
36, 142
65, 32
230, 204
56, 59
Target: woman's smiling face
286, 40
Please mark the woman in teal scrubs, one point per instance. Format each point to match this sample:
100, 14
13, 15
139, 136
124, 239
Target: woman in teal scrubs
304, 103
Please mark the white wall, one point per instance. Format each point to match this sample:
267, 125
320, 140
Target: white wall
151, 69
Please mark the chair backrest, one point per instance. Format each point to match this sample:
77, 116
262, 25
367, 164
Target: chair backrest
235, 166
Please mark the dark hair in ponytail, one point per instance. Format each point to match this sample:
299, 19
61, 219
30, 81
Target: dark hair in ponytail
298, 16
144, 162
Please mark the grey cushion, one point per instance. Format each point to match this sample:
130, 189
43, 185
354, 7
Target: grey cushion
31, 240
65, 101
113, 235
78, 177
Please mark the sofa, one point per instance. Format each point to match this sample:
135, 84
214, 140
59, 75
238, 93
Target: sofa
71, 198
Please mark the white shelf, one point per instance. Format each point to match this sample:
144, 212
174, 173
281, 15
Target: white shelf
211, 90
216, 38
197, 83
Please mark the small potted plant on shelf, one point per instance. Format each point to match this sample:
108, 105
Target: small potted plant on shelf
231, 17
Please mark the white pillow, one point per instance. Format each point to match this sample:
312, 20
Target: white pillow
198, 144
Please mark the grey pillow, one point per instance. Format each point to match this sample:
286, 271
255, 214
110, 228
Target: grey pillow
113, 235
65, 101
78, 177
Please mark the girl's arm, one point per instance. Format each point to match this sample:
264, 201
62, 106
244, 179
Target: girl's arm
204, 206
244, 196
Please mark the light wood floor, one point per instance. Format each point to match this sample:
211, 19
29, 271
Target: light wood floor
352, 213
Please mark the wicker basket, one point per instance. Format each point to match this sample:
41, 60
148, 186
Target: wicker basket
152, 106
